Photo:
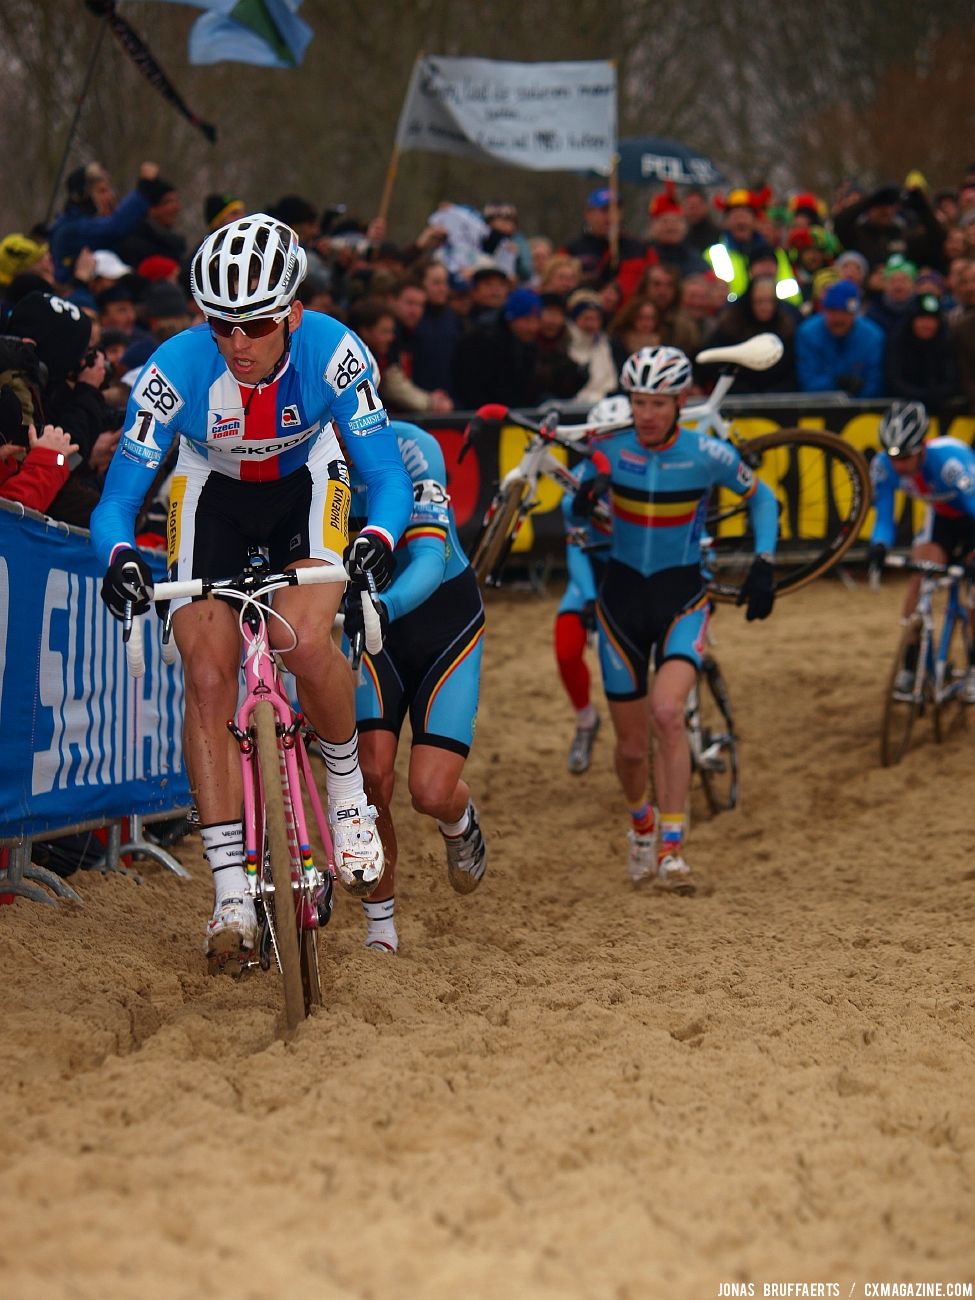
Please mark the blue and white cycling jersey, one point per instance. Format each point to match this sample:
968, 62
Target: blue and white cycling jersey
658, 497
945, 481
258, 433
429, 552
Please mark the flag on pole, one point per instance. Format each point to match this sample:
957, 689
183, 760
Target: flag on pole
140, 54
543, 116
266, 32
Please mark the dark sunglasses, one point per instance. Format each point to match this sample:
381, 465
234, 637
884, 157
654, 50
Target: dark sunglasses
254, 329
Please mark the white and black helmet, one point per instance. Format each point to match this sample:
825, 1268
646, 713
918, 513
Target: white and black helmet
656, 370
251, 267
609, 412
903, 428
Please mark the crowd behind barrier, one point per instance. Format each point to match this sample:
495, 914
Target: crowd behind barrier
84, 744
872, 291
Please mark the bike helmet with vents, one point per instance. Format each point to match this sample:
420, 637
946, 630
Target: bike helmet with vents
609, 412
903, 428
249, 268
656, 370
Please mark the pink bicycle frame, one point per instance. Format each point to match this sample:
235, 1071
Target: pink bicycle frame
263, 682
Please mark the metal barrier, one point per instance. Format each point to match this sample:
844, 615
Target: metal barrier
84, 745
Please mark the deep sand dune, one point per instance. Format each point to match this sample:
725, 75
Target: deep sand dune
560, 1087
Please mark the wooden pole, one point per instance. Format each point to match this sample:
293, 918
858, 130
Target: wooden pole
388, 187
614, 213
393, 167
614, 186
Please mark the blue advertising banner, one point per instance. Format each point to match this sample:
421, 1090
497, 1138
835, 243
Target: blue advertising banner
80, 740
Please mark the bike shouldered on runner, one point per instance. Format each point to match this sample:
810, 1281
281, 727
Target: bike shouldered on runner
251, 394
941, 473
429, 670
653, 606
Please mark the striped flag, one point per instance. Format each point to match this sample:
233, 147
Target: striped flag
266, 32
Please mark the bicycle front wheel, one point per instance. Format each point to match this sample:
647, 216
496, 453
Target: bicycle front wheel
279, 852
492, 546
718, 760
822, 485
901, 707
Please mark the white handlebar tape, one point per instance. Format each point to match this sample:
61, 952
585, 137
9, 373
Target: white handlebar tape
135, 649
372, 625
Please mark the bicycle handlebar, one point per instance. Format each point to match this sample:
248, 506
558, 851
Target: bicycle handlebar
570, 436
250, 583
930, 567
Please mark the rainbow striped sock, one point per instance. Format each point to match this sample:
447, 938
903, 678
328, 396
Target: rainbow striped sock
642, 819
671, 834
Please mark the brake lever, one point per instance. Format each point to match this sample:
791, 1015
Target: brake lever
473, 427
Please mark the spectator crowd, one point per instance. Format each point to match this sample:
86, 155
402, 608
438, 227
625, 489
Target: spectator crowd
872, 292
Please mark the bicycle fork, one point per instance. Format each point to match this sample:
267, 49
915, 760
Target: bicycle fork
313, 890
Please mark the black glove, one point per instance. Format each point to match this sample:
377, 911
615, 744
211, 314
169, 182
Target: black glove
758, 590
127, 578
588, 493
849, 384
587, 615
354, 625
370, 556
876, 555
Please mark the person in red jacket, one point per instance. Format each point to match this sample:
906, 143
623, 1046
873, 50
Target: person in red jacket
34, 477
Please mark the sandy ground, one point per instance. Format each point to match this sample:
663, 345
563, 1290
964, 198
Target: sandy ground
560, 1087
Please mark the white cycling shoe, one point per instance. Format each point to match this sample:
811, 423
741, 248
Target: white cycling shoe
466, 854
674, 876
904, 683
968, 690
359, 858
381, 936
231, 933
641, 862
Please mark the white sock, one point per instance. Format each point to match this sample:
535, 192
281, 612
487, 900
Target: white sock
587, 718
453, 829
343, 777
380, 926
223, 848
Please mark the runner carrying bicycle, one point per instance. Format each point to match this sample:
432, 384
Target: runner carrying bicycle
576, 616
429, 668
653, 605
251, 395
941, 473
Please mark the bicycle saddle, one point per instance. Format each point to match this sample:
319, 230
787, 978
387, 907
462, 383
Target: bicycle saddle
758, 353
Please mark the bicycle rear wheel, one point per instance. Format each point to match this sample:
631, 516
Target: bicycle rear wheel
902, 707
497, 534
279, 852
823, 488
718, 762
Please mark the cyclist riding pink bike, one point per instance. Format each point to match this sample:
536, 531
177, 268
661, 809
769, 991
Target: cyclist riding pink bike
252, 395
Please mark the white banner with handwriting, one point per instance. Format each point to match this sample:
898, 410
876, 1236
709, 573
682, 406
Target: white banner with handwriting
543, 116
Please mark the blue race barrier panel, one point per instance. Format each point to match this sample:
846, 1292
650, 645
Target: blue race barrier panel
81, 743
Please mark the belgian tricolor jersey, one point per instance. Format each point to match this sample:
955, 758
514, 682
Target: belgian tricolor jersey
658, 497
